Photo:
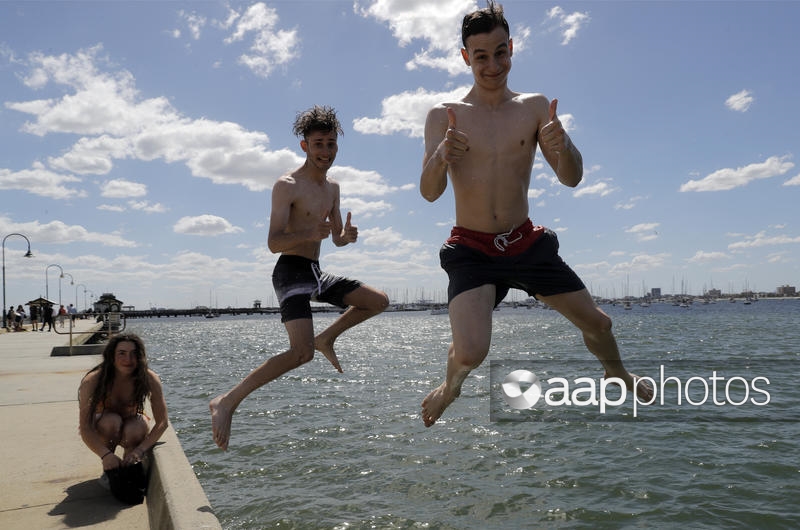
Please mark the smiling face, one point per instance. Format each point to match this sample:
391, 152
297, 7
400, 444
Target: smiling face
489, 57
125, 358
320, 148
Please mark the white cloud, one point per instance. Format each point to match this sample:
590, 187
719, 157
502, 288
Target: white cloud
205, 225
111, 208
600, 188
761, 239
148, 129
629, 204
640, 263
439, 28
194, 22
354, 181
382, 237
706, 257
270, 47
131, 127
40, 181
102, 103
92, 155
794, 181
363, 209
644, 231
146, 207
406, 112
569, 24
121, 189
62, 233
728, 178
779, 257
740, 101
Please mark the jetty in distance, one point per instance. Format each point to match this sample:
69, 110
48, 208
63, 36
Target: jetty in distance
108, 303
439, 307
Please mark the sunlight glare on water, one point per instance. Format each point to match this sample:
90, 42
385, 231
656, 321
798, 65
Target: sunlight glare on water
318, 449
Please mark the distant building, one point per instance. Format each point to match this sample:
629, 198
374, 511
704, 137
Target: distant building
715, 293
108, 303
655, 292
256, 304
787, 290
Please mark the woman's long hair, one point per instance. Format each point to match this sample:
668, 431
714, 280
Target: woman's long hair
141, 387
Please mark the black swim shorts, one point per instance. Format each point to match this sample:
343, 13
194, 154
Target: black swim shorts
472, 259
298, 281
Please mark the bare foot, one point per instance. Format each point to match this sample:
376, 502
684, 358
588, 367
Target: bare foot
220, 422
326, 349
643, 389
435, 403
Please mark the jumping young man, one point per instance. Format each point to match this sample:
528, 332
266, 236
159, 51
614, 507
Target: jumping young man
305, 211
486, 142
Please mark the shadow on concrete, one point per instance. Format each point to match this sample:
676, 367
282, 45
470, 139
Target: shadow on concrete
77, 349
87, 503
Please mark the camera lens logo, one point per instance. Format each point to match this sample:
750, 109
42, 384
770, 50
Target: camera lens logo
513, 394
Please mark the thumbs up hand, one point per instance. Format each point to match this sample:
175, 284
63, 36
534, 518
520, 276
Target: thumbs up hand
455, 143
553, 137
349, 232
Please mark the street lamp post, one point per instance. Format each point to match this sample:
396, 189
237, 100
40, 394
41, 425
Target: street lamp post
71, 282
27, 255
47, 283
84, 296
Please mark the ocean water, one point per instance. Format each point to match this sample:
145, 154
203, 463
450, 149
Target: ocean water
317, 449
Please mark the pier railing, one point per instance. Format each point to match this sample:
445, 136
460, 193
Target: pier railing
109, 323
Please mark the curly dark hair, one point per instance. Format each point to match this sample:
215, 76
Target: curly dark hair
141, 388
317, 118
483, 21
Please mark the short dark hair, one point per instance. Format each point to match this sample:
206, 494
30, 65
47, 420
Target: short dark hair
483, 21
317, 118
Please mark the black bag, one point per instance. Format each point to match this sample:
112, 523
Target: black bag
128, 483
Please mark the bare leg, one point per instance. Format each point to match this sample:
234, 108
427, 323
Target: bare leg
471, 324
580, 309
134, 430
109, 426
301, 350
365, 302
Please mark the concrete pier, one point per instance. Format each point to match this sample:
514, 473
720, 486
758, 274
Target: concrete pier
48, 476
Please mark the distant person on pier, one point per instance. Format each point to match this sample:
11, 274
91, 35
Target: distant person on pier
47, 317
486, 142
35, 317
111, 402
305, 211
11, 319
20, 318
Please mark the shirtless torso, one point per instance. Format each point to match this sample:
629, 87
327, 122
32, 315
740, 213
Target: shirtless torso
490, 138
491, 181
305, 204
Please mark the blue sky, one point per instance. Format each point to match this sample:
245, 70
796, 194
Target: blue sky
140, 141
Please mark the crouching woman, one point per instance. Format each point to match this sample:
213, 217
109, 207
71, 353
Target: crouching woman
111, 399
